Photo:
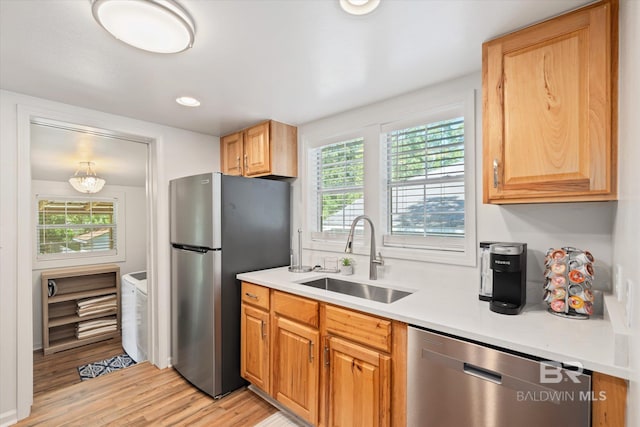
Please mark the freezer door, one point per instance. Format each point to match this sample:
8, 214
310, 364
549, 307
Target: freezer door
195, 210
195, 287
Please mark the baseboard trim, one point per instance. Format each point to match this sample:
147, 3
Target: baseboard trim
8, 418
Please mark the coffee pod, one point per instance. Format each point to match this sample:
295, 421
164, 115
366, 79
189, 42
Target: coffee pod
558, 268
557, 305
576, 276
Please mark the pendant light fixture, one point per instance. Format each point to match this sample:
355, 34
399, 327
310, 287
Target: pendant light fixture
85, 179
160, 26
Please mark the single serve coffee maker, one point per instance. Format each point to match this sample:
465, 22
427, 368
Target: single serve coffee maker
509, 265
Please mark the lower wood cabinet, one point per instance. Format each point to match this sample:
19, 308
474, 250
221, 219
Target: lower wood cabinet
296, 371
254, 354
358, 382
329, 365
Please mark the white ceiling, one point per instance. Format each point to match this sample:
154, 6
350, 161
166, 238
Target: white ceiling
56, 153
290, 60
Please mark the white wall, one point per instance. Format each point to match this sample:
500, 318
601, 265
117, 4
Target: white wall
541, 226
174, 152
626, 237
135, 244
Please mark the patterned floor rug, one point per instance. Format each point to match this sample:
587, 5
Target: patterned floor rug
95, 369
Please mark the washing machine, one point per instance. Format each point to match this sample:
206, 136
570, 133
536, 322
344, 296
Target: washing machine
134, 315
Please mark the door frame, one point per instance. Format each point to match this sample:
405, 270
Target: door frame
158, 348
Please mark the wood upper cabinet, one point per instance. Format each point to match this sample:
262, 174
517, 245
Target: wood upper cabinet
231, 153
359, 385
550, 110
267, 149
254, 346
296, 369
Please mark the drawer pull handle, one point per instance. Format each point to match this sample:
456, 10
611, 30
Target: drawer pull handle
310, 351
246, 163
251, 295
262, 331
495, 173
326, 355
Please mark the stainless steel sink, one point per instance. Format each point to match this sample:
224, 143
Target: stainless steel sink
360, 290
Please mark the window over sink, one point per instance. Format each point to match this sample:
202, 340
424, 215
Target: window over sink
411, 172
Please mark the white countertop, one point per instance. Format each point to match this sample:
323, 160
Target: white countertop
456, 310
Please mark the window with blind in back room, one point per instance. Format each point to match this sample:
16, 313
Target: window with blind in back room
338, 172
70, 228
425, 185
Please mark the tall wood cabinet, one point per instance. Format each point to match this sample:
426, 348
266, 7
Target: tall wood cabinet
62, 291
267, 149
331, 366
550, 110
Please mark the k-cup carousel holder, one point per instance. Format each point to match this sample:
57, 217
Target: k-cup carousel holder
568, 281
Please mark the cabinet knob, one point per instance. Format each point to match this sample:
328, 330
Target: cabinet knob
495, 173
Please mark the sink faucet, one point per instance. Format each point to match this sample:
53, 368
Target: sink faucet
374, 260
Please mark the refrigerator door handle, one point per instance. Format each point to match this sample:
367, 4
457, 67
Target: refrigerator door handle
190, 248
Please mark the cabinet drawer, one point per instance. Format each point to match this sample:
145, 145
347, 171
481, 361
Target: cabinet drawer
363, 328
296, 308
255, 295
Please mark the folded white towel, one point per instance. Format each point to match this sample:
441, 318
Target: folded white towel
93, 332
96, 300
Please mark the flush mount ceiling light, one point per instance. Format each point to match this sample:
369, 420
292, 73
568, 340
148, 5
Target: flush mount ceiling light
160, 26
359, 7
85, 179
188, 101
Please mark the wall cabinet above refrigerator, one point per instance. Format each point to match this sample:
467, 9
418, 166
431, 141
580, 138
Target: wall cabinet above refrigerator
267, 149
550, 110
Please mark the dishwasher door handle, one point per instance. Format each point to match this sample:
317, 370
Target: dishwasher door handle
484, 374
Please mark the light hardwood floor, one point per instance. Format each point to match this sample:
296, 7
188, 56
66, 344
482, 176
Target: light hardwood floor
141, 395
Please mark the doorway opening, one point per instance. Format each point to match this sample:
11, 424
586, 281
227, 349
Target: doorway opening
83, 245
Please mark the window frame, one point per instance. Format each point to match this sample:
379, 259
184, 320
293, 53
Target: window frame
369, 122
81, 258
314, 215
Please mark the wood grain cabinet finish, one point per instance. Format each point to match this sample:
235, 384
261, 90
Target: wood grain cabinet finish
60, 316
359, 383
254, 346
550, 110
269, 148
232, 154
329, 365
296, 372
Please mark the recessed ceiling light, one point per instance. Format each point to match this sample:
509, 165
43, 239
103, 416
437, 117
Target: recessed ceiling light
160, 26
188, 101
359, 7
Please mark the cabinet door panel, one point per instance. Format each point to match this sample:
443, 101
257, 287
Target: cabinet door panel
359, 385
231, 154
254, 361
549, 110
296, 369
256, 150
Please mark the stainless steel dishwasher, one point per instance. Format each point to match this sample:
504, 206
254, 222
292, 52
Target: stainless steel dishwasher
453, 382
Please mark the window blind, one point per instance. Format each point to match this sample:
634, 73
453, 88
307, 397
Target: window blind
425, 182
339, 183
76, 226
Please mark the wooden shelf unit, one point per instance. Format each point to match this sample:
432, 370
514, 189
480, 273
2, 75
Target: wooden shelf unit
59, 317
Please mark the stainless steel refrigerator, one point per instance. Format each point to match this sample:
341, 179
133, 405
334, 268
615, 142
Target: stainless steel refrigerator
220, 226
